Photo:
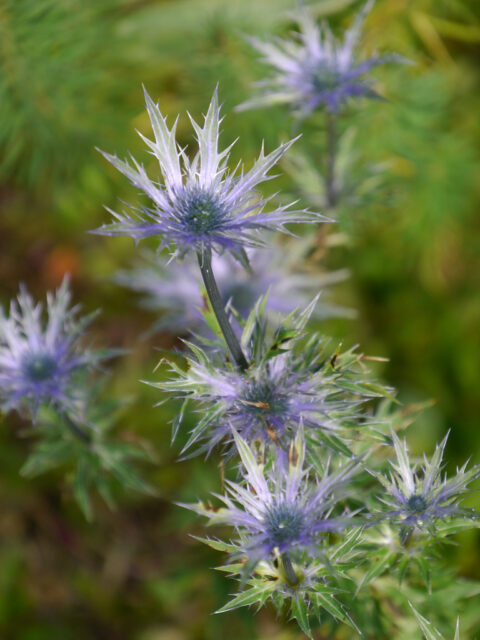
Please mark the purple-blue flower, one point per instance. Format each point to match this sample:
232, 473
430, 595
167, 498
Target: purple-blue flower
39, 356
418, 495
290, 380
282, 509
200, 204
314, 69
265, 403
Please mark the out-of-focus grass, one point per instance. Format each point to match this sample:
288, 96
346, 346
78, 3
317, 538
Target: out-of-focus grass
71, 78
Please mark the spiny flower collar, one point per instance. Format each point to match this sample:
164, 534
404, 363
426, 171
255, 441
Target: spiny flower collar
200, 205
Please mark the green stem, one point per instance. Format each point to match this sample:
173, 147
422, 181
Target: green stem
330, 186
77, 431
205, 263
406, 536
290, 574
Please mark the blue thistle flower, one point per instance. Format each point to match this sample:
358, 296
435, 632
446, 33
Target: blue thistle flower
174, 289
281, 510
265, 403
419, 496
287, 382
39, 359
200, 206
315, 69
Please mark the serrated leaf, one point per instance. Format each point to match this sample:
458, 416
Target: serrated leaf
218, 545
349, 543
333, 443
81, 483
257, 594
425, 570
323, 598
368, 389
300, 613
103, 487
111, 459
447, 528
232, 569
46, 456
377, 566
426, 626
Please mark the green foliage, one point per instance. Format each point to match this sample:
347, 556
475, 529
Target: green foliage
429, 631
93, 461
57, 73
72, 83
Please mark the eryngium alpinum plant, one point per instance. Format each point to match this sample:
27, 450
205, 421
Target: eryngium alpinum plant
46, 372
304, 433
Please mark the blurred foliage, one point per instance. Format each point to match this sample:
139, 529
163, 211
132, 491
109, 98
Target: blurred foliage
70, 80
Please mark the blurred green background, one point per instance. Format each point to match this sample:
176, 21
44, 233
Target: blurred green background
70, 80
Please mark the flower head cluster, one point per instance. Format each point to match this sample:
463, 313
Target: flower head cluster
281, 510
39, 359
315, 69
419, 495
200, 205
174, 289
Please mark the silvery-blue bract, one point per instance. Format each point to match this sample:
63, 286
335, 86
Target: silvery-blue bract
175, 291
418, 495
200, 204
314, 69
280, 510
39, 357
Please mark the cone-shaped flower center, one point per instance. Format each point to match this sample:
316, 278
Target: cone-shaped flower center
284, 523
416, 504
262, 399
325, 78
39, 367
202, 213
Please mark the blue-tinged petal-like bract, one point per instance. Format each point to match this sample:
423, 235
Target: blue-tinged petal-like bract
315, 69
38, 357
200, 204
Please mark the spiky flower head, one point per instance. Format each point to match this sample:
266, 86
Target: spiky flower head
39, 357
281, 509
200, 205
174, 289
315, 69
290, 380
418, 494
